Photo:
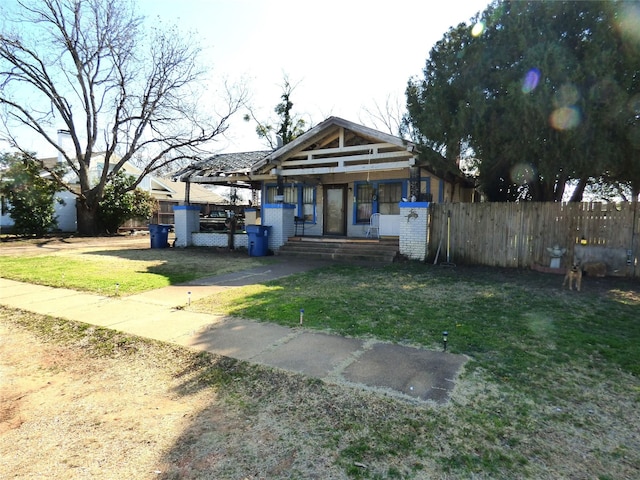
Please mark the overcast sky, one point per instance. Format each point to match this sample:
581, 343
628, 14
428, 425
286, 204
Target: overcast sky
343, 56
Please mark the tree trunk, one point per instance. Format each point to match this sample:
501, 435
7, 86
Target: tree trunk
577, 194
231, 225
635, 191
87, 219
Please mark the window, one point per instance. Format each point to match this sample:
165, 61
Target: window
364, 202
291, 195
303, 197
389, 197
377, 197
308, 204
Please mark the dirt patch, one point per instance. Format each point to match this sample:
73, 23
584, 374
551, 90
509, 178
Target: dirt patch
86, 417
47, 245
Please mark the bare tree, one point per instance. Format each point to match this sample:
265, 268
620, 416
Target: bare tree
387, 117
89, 67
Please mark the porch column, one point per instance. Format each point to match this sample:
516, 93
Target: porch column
186, 219
280, 217
414, 230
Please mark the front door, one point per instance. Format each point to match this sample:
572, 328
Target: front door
335, 206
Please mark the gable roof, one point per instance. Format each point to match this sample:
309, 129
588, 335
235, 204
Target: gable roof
326, 137
338, 146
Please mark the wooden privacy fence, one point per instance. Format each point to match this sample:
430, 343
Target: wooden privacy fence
518, 234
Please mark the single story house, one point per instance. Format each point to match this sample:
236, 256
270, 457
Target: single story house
333, 178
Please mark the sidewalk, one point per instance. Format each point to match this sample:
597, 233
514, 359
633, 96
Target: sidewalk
395, 369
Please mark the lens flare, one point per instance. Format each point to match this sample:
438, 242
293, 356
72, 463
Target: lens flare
477, 29
566, 96
530, 81
565, 118
629, 23
522, 173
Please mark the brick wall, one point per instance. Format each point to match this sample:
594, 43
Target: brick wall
187, 221
414, 230
280, 217
240, 240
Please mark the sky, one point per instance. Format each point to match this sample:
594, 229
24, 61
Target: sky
342, 56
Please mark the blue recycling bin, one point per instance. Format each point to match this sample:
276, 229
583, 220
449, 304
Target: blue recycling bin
159, 235
258, 240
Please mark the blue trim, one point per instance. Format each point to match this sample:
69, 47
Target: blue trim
414, 204
280, 206
186, 207
441, 192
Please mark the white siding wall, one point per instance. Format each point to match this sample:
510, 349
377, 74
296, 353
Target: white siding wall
66, 213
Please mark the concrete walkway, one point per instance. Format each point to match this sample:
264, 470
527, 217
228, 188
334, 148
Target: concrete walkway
160, 315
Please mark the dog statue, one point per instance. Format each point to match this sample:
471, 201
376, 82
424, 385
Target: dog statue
573, 276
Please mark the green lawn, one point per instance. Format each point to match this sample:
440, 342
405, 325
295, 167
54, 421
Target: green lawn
133, 270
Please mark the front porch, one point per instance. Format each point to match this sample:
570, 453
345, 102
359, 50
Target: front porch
411, 242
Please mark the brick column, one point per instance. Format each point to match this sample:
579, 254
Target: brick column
186, 219
414, 230
280, 217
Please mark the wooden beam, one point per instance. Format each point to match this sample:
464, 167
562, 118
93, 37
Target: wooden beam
231, 179
347, 159
347, 169
343, 149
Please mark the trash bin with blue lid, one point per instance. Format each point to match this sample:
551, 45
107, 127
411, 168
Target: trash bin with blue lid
159, 235
258, 240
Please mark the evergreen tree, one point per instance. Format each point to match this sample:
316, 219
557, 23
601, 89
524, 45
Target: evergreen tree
29, 194
543, 92
121, 203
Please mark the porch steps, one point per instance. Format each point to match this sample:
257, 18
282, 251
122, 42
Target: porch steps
367, 251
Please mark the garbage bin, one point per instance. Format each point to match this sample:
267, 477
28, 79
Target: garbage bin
258, 240
159, 235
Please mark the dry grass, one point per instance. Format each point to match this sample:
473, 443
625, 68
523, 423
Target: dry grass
101, 405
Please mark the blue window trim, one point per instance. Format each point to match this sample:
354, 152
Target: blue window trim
375, 184
299, 195
441, 192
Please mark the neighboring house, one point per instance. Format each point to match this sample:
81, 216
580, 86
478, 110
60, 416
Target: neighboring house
336, 176
167, 192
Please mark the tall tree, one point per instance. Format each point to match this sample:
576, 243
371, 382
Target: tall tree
91, 68
539, 90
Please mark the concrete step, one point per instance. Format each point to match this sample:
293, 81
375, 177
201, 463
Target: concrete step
371, 251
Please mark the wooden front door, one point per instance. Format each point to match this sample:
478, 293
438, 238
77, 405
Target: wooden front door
335, 207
